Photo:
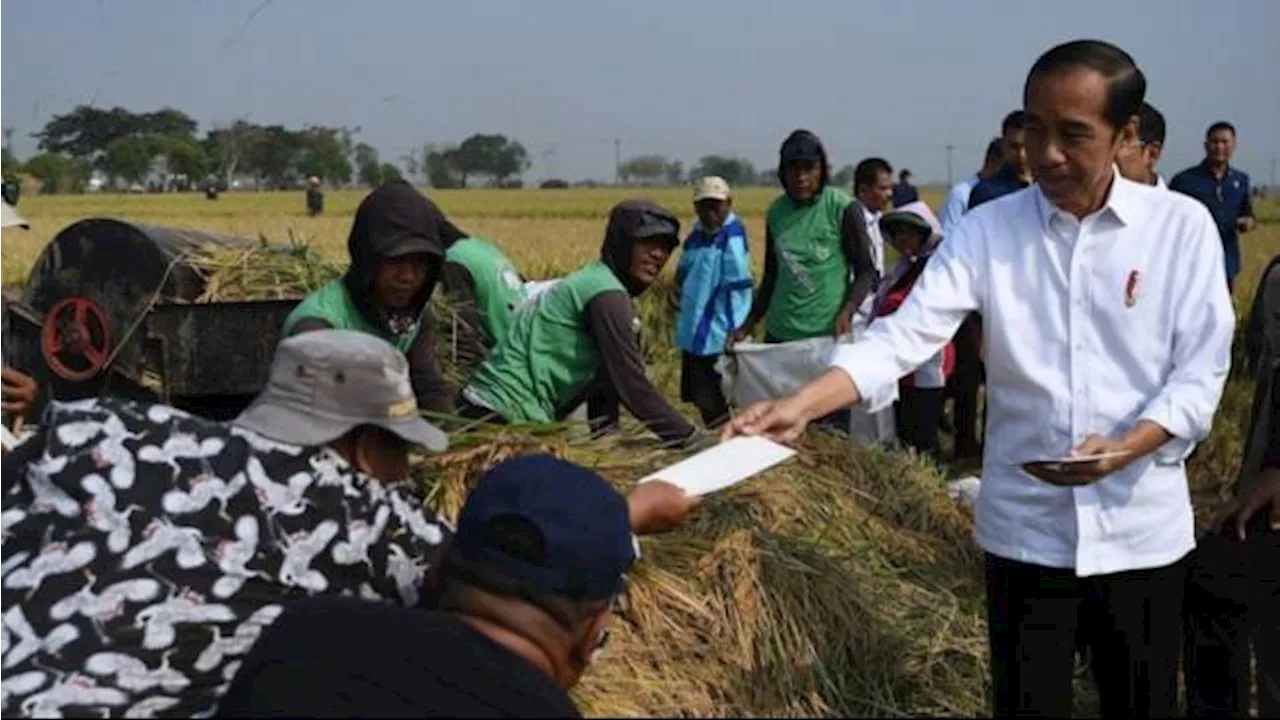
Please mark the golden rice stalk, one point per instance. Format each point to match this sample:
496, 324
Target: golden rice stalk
839, 583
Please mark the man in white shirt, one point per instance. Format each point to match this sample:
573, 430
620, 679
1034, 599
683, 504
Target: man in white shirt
953, 208
1137, 160
1108, 333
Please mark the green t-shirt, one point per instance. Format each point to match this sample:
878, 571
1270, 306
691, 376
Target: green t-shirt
499, 290
813, 271
547, 356
333, 304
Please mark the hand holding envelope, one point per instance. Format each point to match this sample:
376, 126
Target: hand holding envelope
1095, 458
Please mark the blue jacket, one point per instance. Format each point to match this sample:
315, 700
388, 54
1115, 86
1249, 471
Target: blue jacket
1227, 200
714, 276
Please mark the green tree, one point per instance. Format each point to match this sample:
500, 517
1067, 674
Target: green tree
647, 169
388, 172
184, 157
674, 172
273, 156
368, 166
128, 158
228, 148
322, 153
57, 172
735, 170
492, 155
440, 165
86, 131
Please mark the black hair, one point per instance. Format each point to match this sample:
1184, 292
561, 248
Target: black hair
1220, 125
995, 150
1151, 127
904, 174
1016, 120
868, 170
1126, 85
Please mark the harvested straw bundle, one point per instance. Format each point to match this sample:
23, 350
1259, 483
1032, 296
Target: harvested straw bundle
262, 272
831, 585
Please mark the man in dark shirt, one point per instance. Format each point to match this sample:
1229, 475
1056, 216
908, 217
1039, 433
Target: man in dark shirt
1234, 589
904, 192
1016, 172
1223, 189
966, 381
1138, 163
526, 592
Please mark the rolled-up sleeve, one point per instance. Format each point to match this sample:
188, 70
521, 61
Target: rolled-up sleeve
1204, 323
951, 287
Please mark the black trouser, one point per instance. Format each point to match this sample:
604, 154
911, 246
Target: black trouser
964, 384
700, 385
840, 420
918, 413
1233, 600
1134, 625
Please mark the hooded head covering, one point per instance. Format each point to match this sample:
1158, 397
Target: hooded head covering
918, 214
393, 220
633, 220
803, 145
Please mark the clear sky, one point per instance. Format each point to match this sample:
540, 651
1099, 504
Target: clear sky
899, 78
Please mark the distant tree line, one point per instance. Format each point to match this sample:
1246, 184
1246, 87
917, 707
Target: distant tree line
163, 150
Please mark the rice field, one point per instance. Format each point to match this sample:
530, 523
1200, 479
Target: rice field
841, 583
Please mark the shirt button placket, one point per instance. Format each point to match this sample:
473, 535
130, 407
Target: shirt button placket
1078, 314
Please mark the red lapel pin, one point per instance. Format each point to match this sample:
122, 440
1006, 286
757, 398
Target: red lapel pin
1131, 288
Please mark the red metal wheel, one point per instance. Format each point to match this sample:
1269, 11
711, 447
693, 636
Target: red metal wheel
68, 332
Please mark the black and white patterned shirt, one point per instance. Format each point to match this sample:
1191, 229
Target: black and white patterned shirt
145, 550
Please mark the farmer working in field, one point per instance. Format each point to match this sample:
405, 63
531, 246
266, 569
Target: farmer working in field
483, 289
1223, 189
713, 286
397, 247
914, 233
1137, 162
528, 590
315, 197
815, 239
582, 334
146, 549
1108, 333
1234, 592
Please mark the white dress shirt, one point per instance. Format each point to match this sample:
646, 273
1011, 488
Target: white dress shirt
957, 202
1160, 183
1089, 326
872, 219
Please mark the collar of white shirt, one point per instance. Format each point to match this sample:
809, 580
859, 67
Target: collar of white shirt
1121, 206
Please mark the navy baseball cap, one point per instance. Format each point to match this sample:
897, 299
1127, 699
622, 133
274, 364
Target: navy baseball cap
585, 525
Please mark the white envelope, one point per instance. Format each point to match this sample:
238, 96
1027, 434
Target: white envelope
724, 465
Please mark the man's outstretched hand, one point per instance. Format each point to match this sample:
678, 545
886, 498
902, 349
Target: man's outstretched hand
1240, 510
778, 420
657, 507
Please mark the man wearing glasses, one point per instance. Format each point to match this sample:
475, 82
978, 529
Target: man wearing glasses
1223, 189
527, 591
1138, 161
